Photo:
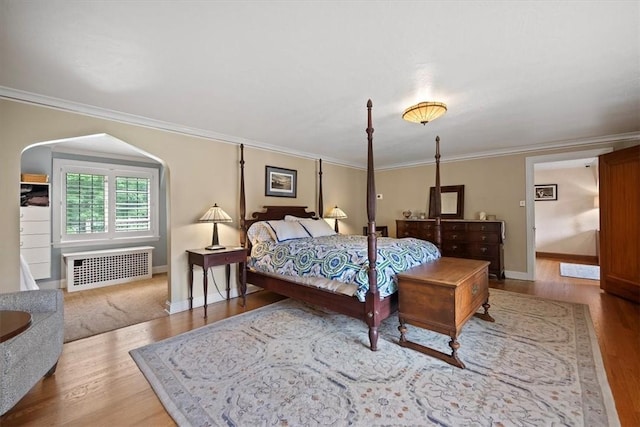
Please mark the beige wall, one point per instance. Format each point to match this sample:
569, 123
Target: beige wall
493, 185
568, 225
201, 172
485, 190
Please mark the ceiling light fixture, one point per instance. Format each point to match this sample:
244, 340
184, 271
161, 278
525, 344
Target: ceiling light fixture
424, 112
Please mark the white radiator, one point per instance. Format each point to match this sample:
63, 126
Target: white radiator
95, 269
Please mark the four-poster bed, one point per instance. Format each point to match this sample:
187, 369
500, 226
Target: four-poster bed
374, 309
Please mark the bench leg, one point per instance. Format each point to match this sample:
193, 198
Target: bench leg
485, 316
451, 359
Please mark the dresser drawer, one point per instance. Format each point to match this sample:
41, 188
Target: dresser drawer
403, 230
481, 251
483, 237
453, 236
40, 270
456, 250
454, 226
485, 226
34, 255
34, 227
35, 241
418, 229
34, 213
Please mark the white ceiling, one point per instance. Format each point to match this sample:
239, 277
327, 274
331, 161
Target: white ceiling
296, 76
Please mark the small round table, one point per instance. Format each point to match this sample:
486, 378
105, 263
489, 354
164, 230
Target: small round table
12, 323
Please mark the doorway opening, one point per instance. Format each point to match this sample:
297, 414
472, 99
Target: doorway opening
38, 159
538, 163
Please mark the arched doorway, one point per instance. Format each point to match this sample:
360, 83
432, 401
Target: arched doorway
99, 149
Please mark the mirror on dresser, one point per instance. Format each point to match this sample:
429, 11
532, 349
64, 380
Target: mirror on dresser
451, 202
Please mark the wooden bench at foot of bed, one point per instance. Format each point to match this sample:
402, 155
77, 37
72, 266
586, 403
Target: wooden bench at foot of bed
441, 296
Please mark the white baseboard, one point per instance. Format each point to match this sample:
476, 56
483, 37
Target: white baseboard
159, 269
179, 306
518, 275
52, 284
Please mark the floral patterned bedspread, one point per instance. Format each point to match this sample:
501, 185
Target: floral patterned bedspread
343, 258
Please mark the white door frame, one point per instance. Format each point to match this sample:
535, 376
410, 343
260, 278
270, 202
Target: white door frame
529, 199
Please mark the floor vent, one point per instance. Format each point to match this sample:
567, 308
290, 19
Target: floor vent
95, 269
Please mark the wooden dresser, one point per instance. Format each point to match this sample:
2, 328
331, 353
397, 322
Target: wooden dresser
462, 238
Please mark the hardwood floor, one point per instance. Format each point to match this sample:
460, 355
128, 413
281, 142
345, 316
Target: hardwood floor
98, 383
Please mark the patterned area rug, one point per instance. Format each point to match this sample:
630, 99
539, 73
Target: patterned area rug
291, 364
581, 271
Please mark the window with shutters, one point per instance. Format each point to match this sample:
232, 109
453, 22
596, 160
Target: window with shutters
104, 202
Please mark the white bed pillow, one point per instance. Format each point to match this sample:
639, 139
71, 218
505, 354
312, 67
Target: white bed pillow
260, 232
294, 218
317, 228
287, 230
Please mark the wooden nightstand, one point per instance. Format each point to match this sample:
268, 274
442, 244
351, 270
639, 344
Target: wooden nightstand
207, 259
381, 230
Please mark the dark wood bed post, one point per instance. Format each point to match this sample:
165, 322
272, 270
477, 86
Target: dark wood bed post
438, 209
320, 201
372, 298
243, 206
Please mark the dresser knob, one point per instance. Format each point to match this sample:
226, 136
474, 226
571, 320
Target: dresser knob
483, 250
484, 238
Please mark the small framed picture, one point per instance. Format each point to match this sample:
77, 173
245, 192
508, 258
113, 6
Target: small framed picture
546, 192
280, 182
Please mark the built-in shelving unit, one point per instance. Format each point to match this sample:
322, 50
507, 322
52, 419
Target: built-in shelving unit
35, 228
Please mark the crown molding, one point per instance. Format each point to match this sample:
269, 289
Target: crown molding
132, 119
103, 113
557, 145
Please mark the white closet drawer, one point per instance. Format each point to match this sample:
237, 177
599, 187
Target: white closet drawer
35, 241
34, 255
35, 227
35, 213
40, 270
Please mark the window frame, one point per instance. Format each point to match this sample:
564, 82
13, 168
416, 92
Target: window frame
111, 170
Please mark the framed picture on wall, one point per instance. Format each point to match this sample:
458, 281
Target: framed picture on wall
546, 192
280, 182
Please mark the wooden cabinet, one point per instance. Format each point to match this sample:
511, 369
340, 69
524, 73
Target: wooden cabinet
619, 225
472, 239
35, 229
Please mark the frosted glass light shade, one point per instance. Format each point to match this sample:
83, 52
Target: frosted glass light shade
215, 214
336, 213
424, 112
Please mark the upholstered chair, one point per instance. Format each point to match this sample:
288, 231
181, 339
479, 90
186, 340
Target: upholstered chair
34, 353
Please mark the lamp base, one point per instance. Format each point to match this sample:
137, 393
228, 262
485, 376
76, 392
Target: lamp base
215, 247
